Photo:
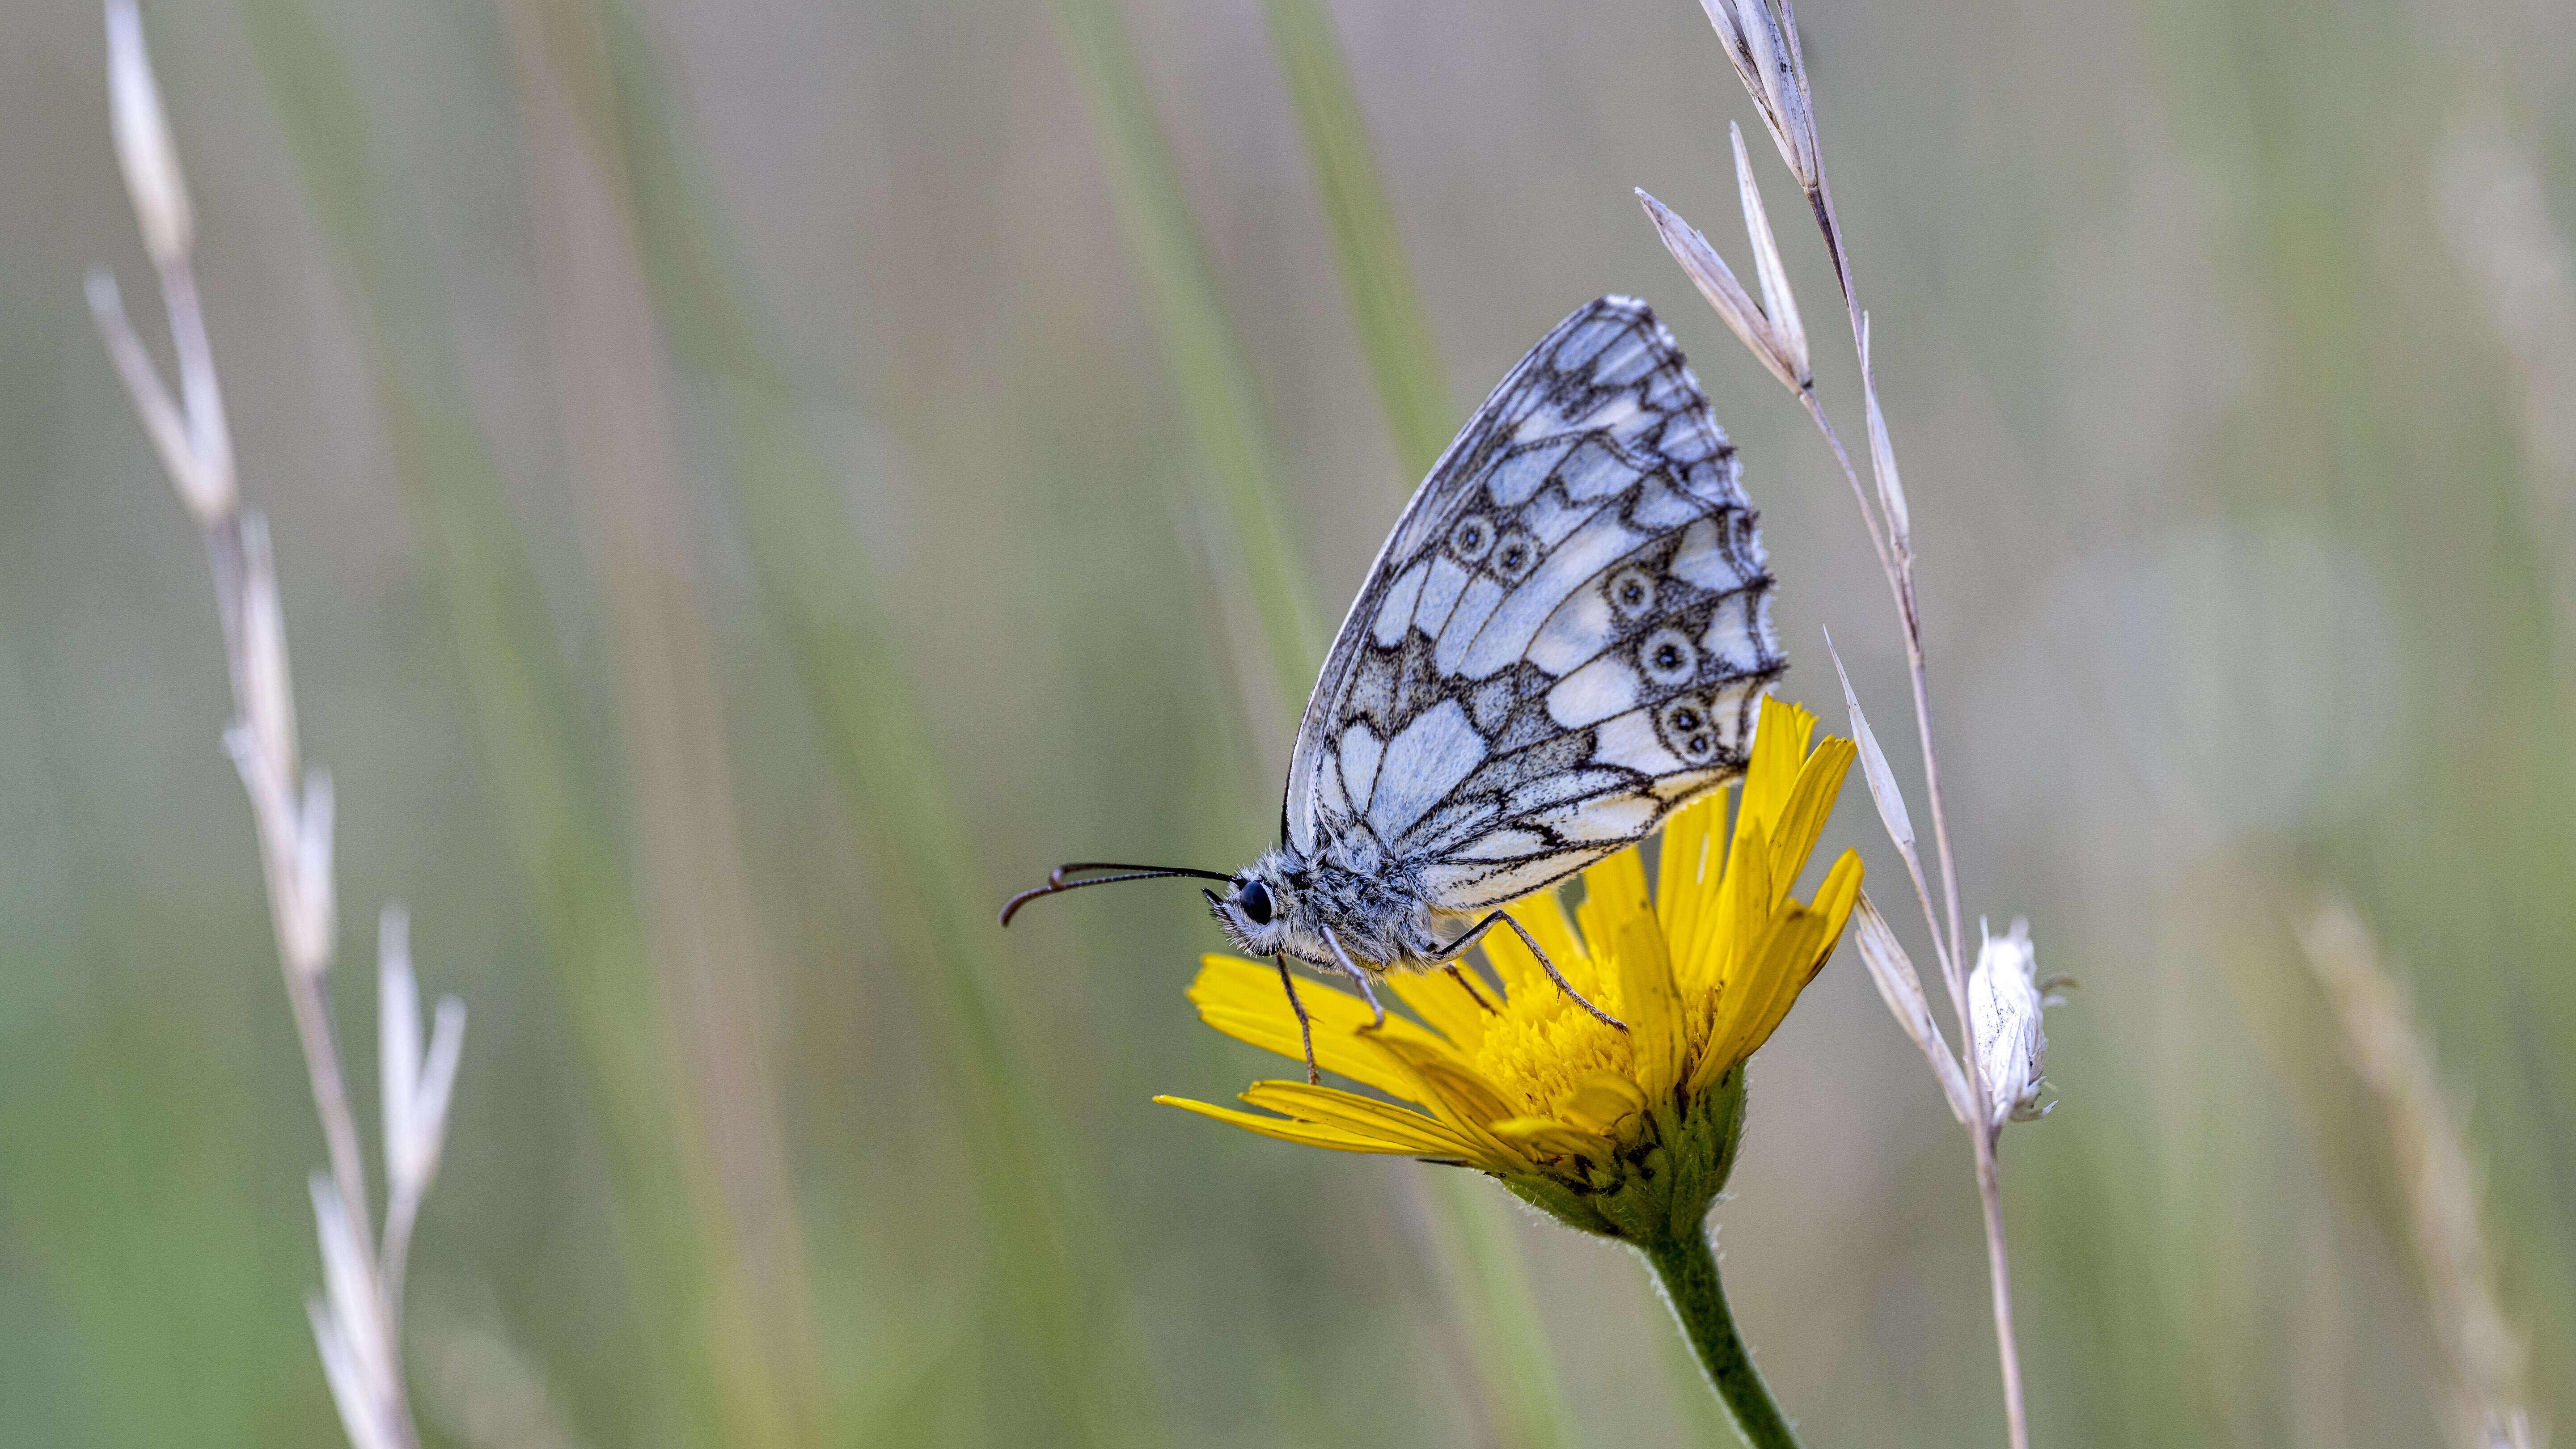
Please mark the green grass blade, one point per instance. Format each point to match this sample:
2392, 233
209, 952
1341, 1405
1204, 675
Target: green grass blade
1207, 367
1038, 1214
1237, 484
560, 819
1503, 1328
1512, 1351
1383, 300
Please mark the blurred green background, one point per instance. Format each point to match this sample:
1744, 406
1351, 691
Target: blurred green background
756, 482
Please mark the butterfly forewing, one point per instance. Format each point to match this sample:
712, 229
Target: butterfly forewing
1567, 634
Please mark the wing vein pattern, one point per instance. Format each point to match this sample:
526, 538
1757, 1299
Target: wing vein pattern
1567, 635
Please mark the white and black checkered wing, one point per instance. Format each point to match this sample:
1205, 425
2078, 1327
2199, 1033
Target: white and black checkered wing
1567, 635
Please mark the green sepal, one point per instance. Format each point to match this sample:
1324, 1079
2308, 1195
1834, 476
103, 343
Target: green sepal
1658, 1187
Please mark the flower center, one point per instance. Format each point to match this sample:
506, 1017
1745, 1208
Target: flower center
1544, 1045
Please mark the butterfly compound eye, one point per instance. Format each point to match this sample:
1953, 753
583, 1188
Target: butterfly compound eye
1255, 900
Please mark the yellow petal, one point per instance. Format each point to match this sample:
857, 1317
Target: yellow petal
1686, 876
1553, 1137
1614, 894
1444, 1004
1457, 1094
1744, 901
1603, 1097
1343, 1054
1779, 744
1361, 1116
1243, 1000
1793, 948
1230, 982
1288, 1131
1840, 894
1677, 863
1782, 964
1802, 819
1543, 915
1649, 1004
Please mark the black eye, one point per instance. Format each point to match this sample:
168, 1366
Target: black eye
1254, 898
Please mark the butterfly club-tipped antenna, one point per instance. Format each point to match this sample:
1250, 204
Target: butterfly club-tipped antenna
1057, 884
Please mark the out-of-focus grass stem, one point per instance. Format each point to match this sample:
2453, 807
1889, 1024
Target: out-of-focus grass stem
2497, 220
357, 1322
1040, 1216
1764, 47
2443, 1186
1237, 482
612, 380
554, 809
1206, 365
1472, 1230
1384, 302
1511, 1350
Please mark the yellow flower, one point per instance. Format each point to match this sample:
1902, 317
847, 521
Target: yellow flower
1624, 1133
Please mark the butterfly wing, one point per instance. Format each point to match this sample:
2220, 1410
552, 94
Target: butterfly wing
1567, 635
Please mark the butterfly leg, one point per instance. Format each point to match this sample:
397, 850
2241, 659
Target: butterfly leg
1470, 988
1349, 968
1487, 924
1305, 1028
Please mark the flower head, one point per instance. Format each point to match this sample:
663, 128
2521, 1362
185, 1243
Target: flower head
1626, 1133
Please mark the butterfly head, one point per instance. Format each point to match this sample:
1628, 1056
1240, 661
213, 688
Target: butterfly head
1256, 908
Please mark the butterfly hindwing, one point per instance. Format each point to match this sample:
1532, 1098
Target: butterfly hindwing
1567, 634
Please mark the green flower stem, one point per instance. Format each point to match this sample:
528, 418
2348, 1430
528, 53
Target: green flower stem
1687, 1269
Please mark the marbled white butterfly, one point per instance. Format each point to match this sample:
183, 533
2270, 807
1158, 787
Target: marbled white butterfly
1567, 636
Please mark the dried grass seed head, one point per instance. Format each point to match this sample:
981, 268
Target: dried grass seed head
1892, 972
1725, 295
1779, 305
2005, 999
145, 151
1767, 58
417, 1082
1882, 453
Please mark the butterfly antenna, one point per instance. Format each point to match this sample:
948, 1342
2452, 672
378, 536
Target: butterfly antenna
1057, 884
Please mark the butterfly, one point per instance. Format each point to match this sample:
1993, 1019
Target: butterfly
1566, 637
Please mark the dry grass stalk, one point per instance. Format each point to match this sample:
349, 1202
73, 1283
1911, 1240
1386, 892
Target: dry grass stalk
1995, 1074
613, 383
2497, 220
357, 1320
484, 1394
2444, 1189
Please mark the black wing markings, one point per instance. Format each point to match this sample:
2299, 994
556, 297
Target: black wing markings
1535, 778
